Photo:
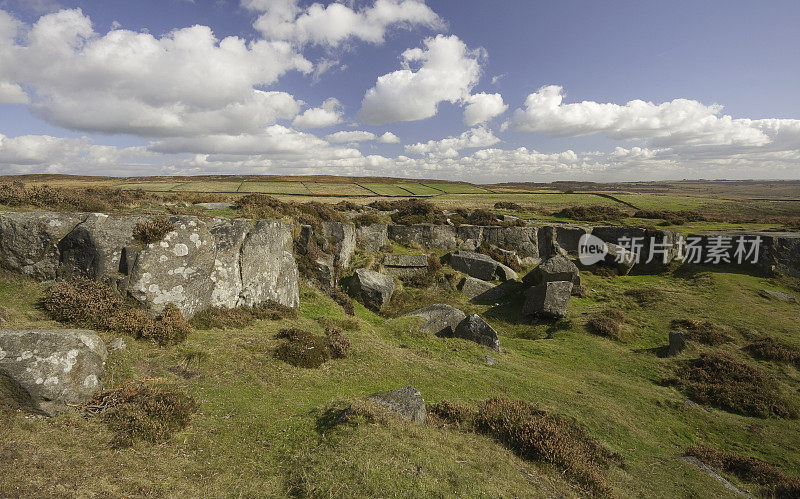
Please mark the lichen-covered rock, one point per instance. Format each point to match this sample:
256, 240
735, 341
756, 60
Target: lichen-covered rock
371, 288
548, 299
372, 237
405, 265
176, 269
568, 238
474, 328
229, 236
406, 401
426, 236
677, 342
440, 319
269, 270
340, 241
29, 241
523, 240
44, 370
476, 265
556, 268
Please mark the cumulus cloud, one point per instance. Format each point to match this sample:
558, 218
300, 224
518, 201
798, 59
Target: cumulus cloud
336, 23
678, 122
350, 136
183, 83
448, 71
483, 107
329, 114
389, 138
449, 147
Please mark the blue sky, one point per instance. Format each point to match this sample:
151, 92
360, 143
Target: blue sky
469, 90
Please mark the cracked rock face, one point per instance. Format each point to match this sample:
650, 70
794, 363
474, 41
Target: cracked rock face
43, 371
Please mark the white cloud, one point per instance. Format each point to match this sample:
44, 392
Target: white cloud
350, 136
335, 23
448, 71
449, 147
678, 122
183, 83
389, 138
483, 107
329, 114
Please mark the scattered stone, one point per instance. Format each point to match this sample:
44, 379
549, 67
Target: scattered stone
371, 288
777, 295
441, 319
406, 401
372, 237
677, 342
504, 273
480, 291
405, 265
556, 268
548, 299
45, 371
473, 328
619, 259
117, 344
214, 206
475, 265
490, 360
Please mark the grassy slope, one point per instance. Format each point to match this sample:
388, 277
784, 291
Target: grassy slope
256, 431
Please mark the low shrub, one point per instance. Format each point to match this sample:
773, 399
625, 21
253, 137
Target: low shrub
302, 348
771, 349
535, 435
153, 230
705, 332
345, 205
257, 205
412, 211
338, 343
678, 217
148, 411
239, 317
722, 381
366, 219
507, 205
592, 213
776, 483
92, 199
344, 323
606, 323
342, 299
431, 275
170, 328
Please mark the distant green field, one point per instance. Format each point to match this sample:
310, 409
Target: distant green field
336, 189
418, 189
275, 187
666, 202
386, 189
456, 188
149, 186
208, 186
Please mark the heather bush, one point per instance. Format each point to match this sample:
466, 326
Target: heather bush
152, 230
774, 481
606, 323
705, 332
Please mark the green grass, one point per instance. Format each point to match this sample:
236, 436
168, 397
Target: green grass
419, 189
385, 189
208, 186
150, 186
456, 188
336, 189
275, 187
256, 430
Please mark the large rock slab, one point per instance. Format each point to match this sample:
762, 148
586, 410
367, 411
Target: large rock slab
371, 288
556, 268
440, 319
340, 241
372, 237
568, 238
426, 236
475, 265
29, 241
406, 402
405, 265
474, 328
523, 240
43, 371
268, 268
548, 299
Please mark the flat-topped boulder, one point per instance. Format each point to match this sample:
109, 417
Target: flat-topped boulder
44, 371
372, 238
440, 319
556, 268
474, 328
475, 265
405, 265
478, 291
548, 299
371, 288
406, 402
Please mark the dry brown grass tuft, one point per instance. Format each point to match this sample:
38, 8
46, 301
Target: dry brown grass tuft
302, 348
235, 318
535, 435
646, 295
592, 213
153, 230
776, 483
722, 381
705, 332
72, 198
606, 323
771, 349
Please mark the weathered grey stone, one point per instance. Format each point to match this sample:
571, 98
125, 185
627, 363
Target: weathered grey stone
505, 273
619, 259
117, 344
226, 275
406, 401
557, 268
176, 269
371, 288
340, 240
548, 299
522, 240
569, 237
372, 237
268, 268
474, 328
214, 206
478, 291
426, 236
471, 236
440, 319
548, 246
44, 370
29, 241
474, 264
677, 342
777, 295
405, 265
490, 361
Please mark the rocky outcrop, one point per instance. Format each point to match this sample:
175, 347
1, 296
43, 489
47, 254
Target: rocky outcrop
568, 238
406, 402
474, 328
43, 371
371, 288
372, 238
440, 319
556, 268
426, 236
340, 241
548, 299
200, 263
476, 265
405, 265
478, 291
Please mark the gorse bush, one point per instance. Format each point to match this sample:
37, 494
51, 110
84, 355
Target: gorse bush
152, 230
149, 411
535, 435
722, 381
86, 303
774, 481
705, 332
412, 211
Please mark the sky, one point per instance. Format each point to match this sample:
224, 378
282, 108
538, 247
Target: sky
507, 90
